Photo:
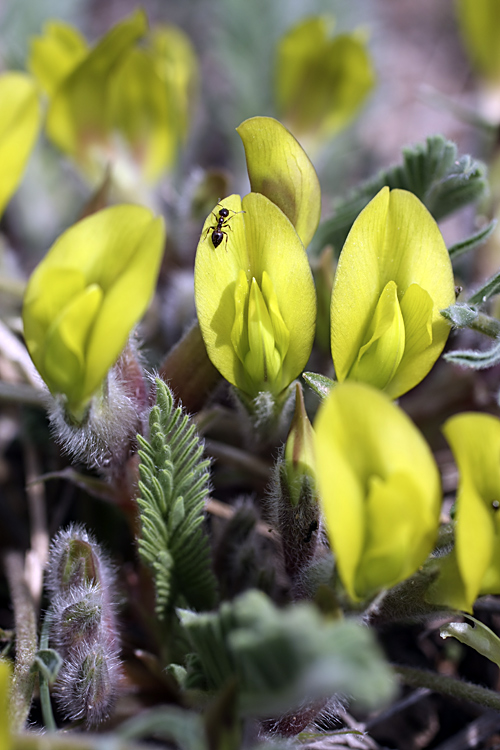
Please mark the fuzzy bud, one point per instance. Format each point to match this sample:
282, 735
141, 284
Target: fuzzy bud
299, 452
82, 616
87, 684
295, 502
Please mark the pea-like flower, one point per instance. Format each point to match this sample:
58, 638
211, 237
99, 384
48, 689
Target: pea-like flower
473, 566
321, 81
393, 278
87, 294
254, 295
19, 123
117, 104
379, 487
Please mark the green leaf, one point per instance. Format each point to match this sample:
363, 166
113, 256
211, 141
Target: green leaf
280, 655
48, 662
478, 636
320, 384
432, 171
173, 487
489, 289
472, 242
178, 726
475, 359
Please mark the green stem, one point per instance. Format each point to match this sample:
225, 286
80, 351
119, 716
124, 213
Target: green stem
23, 680
439, 683
485, 324
48, 716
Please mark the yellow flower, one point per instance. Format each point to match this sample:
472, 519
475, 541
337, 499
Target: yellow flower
379, 487
117, 104
473, 567
19, 123
393, 277
87, 294
321, 82
254, 295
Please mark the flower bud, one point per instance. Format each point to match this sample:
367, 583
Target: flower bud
300, 462
83, 629
88, 683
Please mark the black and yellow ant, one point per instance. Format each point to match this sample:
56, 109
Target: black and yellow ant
218, 232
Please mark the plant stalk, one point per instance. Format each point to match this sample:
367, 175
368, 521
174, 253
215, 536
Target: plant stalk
23, 680
439, 683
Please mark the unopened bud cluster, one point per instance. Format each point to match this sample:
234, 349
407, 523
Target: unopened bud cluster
83, 628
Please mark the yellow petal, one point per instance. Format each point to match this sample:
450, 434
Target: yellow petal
66, 345
480, 26
379, 358
177, 66
79, 113
55, 54
262, 361
19, 124
139, 111
279, 168
475, 441
321, 82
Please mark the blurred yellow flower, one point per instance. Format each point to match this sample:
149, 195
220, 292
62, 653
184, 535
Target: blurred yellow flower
20, 116
321, 82
480, 26
117, 104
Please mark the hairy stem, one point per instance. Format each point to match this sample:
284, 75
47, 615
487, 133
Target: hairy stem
439, 683
485, 324
23, 680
